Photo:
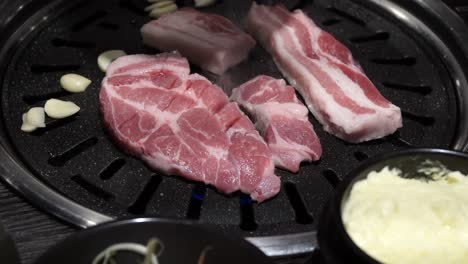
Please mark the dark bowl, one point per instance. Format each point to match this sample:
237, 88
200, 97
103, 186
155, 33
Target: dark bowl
335, 244
183, 243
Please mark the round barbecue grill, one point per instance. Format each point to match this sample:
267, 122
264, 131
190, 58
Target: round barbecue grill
414, 51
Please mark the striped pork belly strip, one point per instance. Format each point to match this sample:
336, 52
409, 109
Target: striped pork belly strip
332, 83
211, 41
282, 120
182, 124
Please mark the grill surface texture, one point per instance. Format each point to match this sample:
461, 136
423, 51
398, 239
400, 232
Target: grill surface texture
72, 168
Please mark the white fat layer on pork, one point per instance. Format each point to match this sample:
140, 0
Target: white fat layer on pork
122, 62
165, 118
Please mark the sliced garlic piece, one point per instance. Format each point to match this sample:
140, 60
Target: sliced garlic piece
107, 57
203, 3
60, 109
36, 117
74, 83
157, 12
26, 127
158, 5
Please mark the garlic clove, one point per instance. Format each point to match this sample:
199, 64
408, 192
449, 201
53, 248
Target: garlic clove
157, 12
60, 109
158, 5
107, 57
26, 127
36, 117
74, 83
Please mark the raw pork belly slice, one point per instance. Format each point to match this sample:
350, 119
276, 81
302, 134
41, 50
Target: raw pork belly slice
334, 86
208, 40
182, 124
282, 120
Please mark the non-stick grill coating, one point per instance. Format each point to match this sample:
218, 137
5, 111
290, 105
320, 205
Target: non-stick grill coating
76, 157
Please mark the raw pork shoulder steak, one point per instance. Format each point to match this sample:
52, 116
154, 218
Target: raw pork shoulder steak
334, 86
282, 120
180, 123
208, 40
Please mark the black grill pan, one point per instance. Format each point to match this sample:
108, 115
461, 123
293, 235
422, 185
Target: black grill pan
414, 51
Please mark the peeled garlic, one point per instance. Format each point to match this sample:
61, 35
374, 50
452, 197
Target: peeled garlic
36, 117
26, 127
157, 12
60, 109
74, 83
158, 5
107, 57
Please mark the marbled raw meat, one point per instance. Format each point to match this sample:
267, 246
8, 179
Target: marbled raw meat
182, 124
282, 120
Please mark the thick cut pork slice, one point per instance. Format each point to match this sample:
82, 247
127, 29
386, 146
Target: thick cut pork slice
182, 124
334, 86
281, 119
208, 40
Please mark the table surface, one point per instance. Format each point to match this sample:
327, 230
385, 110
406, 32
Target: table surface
34, 230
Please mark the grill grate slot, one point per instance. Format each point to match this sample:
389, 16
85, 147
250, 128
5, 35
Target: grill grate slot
53, 124
89, 20
421, 89
380, 35
360, 156
62, 158
422, 119
331, 21
300, 210
405, 61
332, 177
301, 4
111, 169
93, 189
32, 99
347, 16
247, 214
196, 201
45, 68
140, 204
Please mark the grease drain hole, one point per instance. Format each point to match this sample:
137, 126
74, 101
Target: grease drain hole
247, 213
300, 210
360, 156
331, 177
91, 188
196, 201
62, 158
111, 169
140, 204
